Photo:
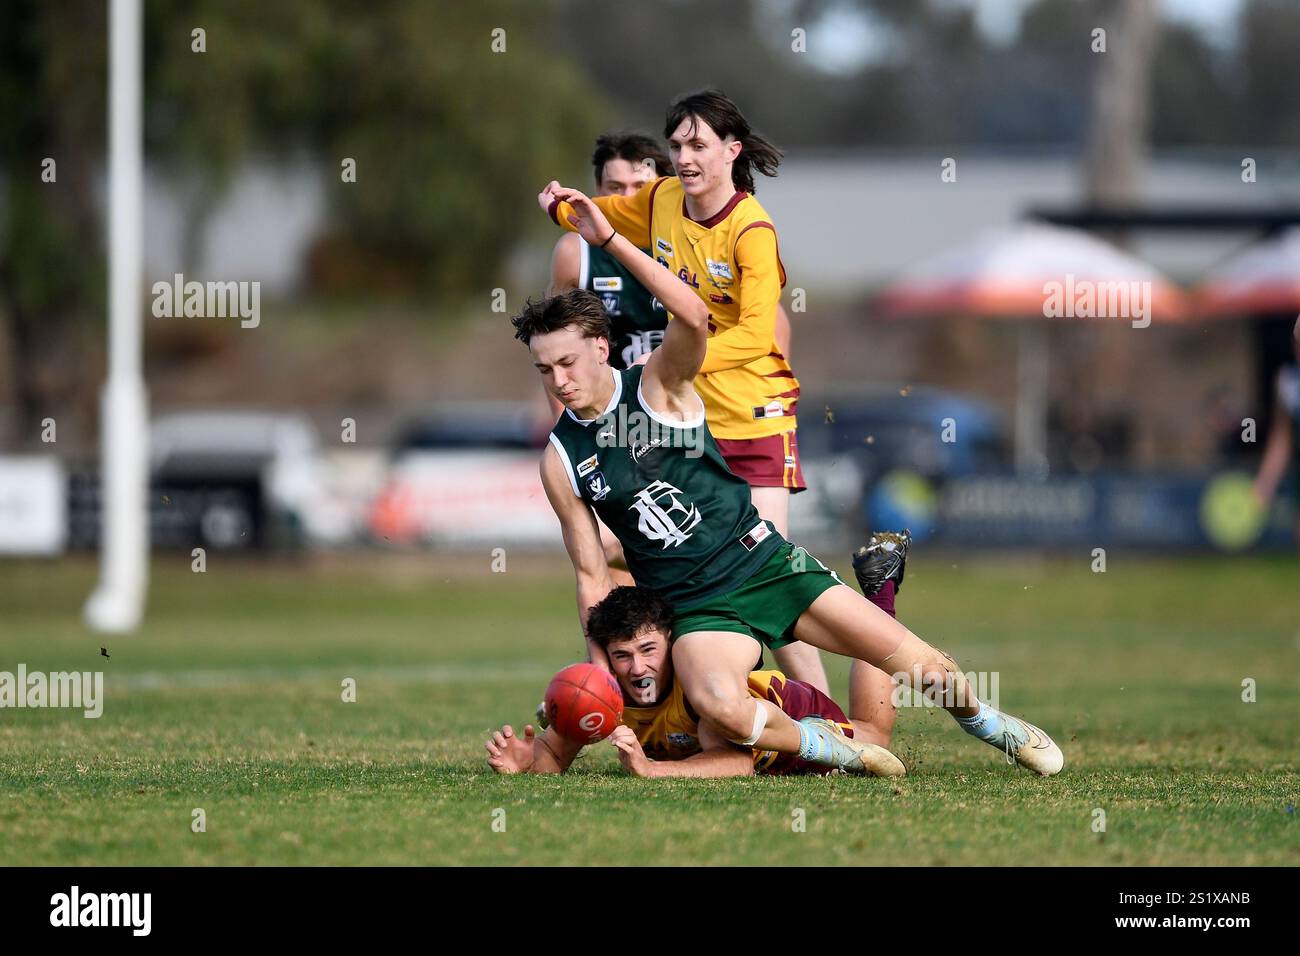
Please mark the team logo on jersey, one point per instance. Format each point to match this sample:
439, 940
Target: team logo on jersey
657, 505
681, 740
610, 301
598, 486
663, 246
586, 467
719, 270
641, 343
607, 283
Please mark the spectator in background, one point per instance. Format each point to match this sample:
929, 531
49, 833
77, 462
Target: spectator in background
1280, 451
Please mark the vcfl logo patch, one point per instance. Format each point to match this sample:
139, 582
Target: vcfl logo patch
103, 909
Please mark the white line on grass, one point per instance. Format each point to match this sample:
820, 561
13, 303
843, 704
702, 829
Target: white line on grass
169, 680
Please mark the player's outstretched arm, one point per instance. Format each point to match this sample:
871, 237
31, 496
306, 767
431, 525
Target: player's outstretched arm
581, 540
672, 367
718, 758
549, 753
1277, 454
629, 215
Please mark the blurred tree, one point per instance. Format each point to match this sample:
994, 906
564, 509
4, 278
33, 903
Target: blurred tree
1267, 74
47, 275
451, 140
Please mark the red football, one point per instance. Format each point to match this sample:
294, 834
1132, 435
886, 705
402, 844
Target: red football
584, 703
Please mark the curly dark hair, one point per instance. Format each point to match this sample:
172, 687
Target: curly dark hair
626, 612
578, 307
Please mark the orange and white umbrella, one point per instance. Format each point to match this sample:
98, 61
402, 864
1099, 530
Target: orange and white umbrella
1265, 277
1035, 270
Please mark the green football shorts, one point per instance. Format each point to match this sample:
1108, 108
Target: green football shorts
767, 605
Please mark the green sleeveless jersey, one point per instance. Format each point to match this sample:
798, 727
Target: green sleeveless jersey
686, 523
636, 318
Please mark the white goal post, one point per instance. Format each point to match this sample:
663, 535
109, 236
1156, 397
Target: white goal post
117, 604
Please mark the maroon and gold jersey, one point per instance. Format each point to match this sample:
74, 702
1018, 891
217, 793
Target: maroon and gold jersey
670, 729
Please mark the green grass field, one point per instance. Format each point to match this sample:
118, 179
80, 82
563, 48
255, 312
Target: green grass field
229, 700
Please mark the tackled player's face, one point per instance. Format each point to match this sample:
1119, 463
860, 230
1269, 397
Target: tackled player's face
643, 666
620, 177
572, 366
702, 160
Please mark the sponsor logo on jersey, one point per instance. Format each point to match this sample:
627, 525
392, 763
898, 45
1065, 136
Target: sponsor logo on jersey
640, 451
750, 539
610, 301
663, 246
657, 506
598, 486
692, 279
586, 467
681, 740
719, 270
773, 409
607, 283
721, 298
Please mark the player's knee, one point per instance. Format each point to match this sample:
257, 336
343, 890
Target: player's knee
732, 716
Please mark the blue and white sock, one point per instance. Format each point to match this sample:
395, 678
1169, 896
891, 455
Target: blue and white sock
985, 725
810, 742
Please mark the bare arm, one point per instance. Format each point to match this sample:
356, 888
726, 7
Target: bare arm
718, 757
629, 215
582, 541
1277, 454
566, 264
667, 382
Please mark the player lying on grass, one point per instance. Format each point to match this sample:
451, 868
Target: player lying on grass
634, 448
661, 734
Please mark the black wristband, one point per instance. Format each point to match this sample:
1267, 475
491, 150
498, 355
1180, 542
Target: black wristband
609, 240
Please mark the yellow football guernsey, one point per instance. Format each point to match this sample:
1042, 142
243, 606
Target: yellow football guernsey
733, 263
670, 729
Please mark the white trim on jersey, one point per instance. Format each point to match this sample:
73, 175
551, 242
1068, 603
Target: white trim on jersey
584, 263
695, 422
568, 465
